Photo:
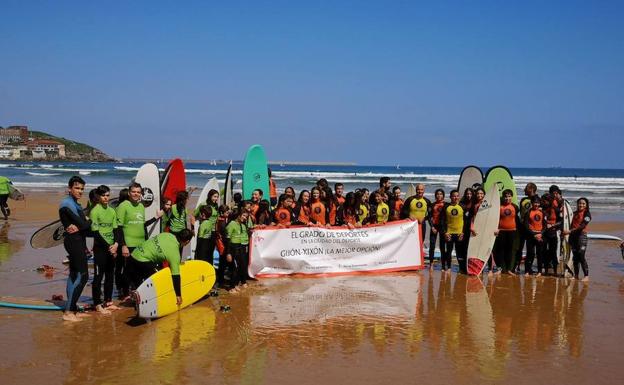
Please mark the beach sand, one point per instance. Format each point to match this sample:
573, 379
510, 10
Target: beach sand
410, 327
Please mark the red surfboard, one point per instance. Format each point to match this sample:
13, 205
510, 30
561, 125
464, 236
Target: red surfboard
174, 180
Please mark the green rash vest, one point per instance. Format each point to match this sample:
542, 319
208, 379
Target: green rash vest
131, 218
205, 229
237, 233
212, 221
163, 247
177, 221
104, 221
4, 185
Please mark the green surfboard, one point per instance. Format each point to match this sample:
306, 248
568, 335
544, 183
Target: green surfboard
501, 176
255, 172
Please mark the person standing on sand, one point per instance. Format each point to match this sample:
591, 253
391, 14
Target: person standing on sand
452, 226
131, 221
530, 190
578, 237
507, 227
77, 227
4, 196
105, 243
418, 207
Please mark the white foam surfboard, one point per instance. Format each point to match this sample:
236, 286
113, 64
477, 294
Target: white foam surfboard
212, 184
485, 224
149, 179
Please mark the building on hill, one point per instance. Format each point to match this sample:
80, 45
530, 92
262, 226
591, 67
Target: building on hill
46, 148
14, 134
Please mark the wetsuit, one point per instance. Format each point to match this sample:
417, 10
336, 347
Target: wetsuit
507, 226
302, 214
578, 241
207, 236
434, 222
238, 246
395, 208
131, 221
318, 213
103, 225
469, 212
150, 254
534, 224
419, 209
71, 213
523, 234
283, 216
452, 223
4, 196
382, 213
554, 219
363, 214
272, 192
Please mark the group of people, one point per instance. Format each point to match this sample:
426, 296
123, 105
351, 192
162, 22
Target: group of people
125, 254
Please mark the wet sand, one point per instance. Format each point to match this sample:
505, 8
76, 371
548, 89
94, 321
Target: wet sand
410, 327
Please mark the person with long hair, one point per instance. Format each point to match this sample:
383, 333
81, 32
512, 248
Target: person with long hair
578, 237
318, 211
436, 228
302, 208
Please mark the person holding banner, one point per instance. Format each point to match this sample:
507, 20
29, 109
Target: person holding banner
283, 216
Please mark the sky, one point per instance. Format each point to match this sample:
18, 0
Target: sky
441, 83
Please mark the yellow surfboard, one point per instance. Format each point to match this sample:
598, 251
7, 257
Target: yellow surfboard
156, 297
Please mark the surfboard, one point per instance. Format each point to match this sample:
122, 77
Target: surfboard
501, 177
471, 176
212, 184
485, 224
411, 191
156, 297
255, 172
149, 179
174, 179
53, 233
603, 237
227, 198
15, 193
31, 304
566, 250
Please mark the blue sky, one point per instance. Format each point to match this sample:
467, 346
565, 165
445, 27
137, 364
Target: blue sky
527, 83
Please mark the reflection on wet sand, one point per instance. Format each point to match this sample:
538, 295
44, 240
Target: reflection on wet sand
403, 320
8, 246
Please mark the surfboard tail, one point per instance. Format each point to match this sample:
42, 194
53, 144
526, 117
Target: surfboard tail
475, 266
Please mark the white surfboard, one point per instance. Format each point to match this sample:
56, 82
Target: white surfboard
566, 249
471, 176
149, 179
485, 224
604, 237
156, 296
411, 191
15, 193
212, 184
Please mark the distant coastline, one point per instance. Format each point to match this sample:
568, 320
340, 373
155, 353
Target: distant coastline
221, 161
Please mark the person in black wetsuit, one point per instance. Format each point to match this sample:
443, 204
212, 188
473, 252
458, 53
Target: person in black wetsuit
77, 227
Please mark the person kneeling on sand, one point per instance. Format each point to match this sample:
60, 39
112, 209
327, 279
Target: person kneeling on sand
146, 258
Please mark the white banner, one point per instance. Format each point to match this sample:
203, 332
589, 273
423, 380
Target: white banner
395, 246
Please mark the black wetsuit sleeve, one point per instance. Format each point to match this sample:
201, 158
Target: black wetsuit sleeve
68, 218
518, 221
176, 285
119, 236
98, 239
405, 208
443, 224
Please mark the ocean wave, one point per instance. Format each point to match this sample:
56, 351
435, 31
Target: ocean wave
42, 173
6, 165
48, 166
